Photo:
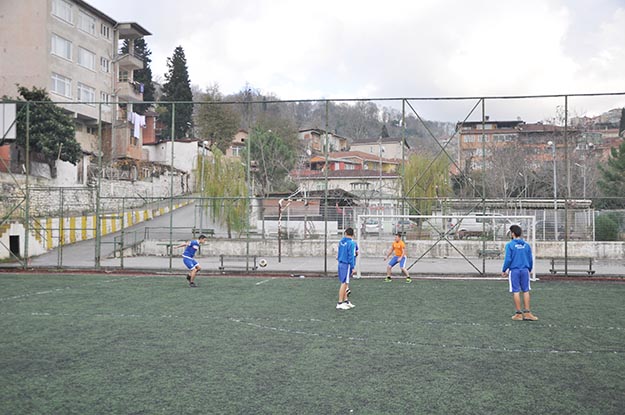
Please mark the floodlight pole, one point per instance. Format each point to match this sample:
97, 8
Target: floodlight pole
204, 143
555, 190
380, 208
171, 181
98, 219
325, 195
27, 184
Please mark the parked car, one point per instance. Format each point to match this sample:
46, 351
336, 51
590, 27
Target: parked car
373, 225
404, 225
545, 230
478, 226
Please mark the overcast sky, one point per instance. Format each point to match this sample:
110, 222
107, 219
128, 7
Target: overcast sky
394, 48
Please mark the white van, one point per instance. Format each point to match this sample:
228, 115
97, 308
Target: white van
477, 225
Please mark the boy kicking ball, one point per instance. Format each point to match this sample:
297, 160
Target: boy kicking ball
188, 258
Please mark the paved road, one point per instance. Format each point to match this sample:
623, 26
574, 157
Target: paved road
369, 267
81, 255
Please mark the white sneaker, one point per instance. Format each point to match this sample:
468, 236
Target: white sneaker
349, 305
342, 306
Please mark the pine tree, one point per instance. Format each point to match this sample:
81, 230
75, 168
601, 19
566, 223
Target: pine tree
384, 132
143, 76
177, 88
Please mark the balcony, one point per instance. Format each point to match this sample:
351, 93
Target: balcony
130, 91
129, 62
124, 145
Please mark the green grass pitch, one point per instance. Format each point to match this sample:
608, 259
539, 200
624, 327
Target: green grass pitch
95, 344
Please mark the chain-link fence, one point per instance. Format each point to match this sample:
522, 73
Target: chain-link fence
94, 184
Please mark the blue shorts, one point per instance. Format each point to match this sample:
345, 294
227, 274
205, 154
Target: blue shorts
190, 263
519, 280
395, 260
345, 271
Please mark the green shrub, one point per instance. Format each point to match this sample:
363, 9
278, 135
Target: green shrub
606, 228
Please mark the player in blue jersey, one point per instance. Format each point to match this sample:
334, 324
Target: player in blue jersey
517, 265
347, 262
188, 255
347, 290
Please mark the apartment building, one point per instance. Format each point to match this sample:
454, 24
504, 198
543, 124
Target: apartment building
390, 148
477, 139
73, 50
314, 140
478, 143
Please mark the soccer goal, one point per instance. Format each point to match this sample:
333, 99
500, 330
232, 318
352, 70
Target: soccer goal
474, 237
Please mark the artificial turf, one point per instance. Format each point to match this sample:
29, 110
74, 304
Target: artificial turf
93, 344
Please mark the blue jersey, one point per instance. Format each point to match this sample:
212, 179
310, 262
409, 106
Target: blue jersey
346, 252
518, 255
191, 249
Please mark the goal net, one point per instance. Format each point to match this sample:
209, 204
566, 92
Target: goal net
475, 238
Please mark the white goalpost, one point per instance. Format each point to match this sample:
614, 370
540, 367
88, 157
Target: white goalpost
471, 236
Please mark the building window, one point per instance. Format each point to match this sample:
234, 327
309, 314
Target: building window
86, 23
105, 31
360, 186
86, 94
105, 98
124, 76
61, 47
236, 151
92, 130
61, 85
62, 10
86, 59
105, 64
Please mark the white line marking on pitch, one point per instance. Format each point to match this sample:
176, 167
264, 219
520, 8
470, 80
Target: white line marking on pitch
432, 345
57, 290
249, 322
263, 281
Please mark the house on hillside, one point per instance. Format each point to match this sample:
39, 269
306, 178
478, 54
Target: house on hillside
314, 140
353, 160
389, 148
238, 143
305, 214
377, 192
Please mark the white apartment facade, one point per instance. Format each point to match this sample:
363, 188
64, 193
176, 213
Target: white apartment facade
71, 49
389, 148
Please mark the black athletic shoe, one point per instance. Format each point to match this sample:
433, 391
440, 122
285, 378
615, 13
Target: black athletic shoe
192, 285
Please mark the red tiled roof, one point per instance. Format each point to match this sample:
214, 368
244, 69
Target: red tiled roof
342, 155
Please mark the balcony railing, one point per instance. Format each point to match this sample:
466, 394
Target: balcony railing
129, 62
130, 91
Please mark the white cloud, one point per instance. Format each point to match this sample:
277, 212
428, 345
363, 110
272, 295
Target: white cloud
396, 48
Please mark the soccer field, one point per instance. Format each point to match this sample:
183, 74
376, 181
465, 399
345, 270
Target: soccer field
95, 344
